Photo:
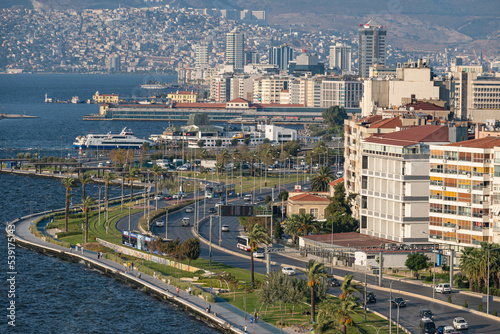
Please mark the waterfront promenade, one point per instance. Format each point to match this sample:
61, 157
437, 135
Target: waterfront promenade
223, 315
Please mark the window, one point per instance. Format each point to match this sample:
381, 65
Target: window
364, 202
315, 212
302, 211
365, 162
364, 222
364, 182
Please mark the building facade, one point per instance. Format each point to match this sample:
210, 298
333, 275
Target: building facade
340, 57
280, 56
201, 56
234, 49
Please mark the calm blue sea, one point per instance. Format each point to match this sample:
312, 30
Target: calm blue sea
53, 296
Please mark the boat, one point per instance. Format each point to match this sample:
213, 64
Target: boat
75, 99
124, 140
154, 86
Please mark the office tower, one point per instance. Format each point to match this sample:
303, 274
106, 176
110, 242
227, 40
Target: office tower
113, 63
251, 57
280, 56
234, 49
340, 57
202, 55
372, 46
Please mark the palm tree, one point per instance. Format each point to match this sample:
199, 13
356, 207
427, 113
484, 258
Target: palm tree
321, 180
203, 154
107, 177
131, 177
306, 224
84, 179
224, 157
68, 183
157, 171
324, 324
315, 271
256, 235
292, 226
86, 204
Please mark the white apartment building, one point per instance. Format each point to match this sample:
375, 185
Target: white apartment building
267, 90
234, 49
343, 93
241, 86
201, 51
395, 183
465, 193
340, 57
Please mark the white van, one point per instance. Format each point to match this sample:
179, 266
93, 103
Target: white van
186, 221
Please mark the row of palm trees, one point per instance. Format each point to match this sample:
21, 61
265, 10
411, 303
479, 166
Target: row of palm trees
474, 264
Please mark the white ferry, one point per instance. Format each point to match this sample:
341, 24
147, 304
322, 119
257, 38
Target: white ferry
125, 140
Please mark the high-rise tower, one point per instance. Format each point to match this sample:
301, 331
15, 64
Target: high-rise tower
280, 56
372, 47
340, 57
234, 49
202, 55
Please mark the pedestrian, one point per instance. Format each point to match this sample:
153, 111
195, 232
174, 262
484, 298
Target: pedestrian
132, 265
209, 308
258, 317
245, 328
255, 314
177, 291
190, 290
98, 255
101, 255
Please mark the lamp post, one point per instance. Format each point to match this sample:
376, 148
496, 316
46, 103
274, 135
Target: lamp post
390, 305
488, 282
166, 223
433, 270
99, 204
377, 329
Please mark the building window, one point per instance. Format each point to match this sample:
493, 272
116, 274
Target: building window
364, 202
364, 182
315, 213
365, 163
302, 211
364, 222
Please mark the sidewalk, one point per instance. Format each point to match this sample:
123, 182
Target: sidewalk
222, 312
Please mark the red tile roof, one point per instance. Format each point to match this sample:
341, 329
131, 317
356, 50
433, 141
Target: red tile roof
371, 119
421, 105
308, 198
200, 105
239, 99
388, 123
337, 181
183, 92
350, 239
412, 136
486, 142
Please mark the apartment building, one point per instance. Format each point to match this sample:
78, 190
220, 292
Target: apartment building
395, 183
267, 90
465, 193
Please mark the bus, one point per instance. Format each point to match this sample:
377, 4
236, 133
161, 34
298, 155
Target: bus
137, 240
242, 242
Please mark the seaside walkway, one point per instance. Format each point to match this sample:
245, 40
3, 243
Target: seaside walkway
222, 313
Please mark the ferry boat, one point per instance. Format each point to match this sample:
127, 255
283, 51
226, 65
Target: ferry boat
154, 86
125, 140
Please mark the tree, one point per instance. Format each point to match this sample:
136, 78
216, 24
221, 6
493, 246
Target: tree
223, 158
255, 236
315, 272
324, 323
108, 177
322, 179
266, 141
278, 288
84, 179
292, 226
200, 143
334, 116
234, 141
86, 205
416, 262
247, 141
157, 171
118, 156
68, 183
131, 177
340, 202
283, 195
307, 224
191, 249
203, 154
218, 142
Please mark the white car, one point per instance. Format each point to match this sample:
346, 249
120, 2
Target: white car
443, 288
224, 228
189, 209
460, 323
160, 223
288, 271
258, 254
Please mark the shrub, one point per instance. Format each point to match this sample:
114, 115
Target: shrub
480, 307
449, 299
197, 291
465, 304
208, 297
495, 313
67, 234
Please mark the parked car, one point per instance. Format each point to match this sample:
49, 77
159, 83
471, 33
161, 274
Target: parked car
258, 254
157, 198
443, 288
448, 330
186, 221
425, 313
427, 326
224, 228
260, 199
212, 210
189, 209
160, 223
288, 271
168, 197
398, 301
370, 297
333, 282
460, 323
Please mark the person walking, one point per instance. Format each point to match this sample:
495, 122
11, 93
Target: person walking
98, 255
190, 290
177, 291
245, 328
209, 308
132, 265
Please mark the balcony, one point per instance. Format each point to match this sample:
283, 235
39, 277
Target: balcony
450, 225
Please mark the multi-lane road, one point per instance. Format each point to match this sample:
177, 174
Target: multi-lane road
417, 296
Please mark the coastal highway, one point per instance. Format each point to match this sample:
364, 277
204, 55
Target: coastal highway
409, 316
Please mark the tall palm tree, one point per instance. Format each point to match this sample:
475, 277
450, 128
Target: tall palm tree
68, 183
315, 271
84, 179
203, 154
256, 235
108, 177
347, 308
325, 324
307, 224
292, 226
157, 171
224, 157
322, 178
86, 204
131, 177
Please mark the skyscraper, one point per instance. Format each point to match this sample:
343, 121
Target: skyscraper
280, 56
340, 57
372, 46
202, 55
234, 49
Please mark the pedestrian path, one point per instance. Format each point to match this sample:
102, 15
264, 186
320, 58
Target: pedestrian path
221, 312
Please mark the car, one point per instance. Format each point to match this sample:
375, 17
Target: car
157, 198
370, 297
398, 301
186, 221
224, 228
212, 210
260, 199
258, 254
447, 330
333, 282
247, 198
189, 209
460, 323
426, 314
168, 197
160, 223
443, 288
288, 271
427, 326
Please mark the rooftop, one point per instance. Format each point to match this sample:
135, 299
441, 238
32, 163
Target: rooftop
306, 197
486, 142
350, 239
412, 136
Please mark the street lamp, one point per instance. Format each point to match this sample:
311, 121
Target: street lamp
488, 284
377, 329
390, 305
433, 270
